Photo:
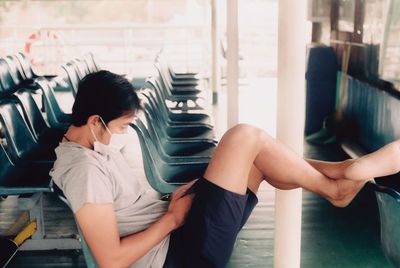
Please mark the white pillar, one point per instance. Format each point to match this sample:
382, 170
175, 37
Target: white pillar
215, 47
290, 125
232, 56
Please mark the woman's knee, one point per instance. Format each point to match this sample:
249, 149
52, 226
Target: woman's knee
246, 134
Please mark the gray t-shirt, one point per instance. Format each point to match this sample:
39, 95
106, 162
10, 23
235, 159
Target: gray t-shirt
86, 176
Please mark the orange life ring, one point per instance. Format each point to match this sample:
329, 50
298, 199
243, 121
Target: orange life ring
36, 37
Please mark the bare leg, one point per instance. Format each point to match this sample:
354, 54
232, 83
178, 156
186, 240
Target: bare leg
255, 178
243, 146
383, 162
331, 169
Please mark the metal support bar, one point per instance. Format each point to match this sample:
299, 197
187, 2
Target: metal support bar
232, 54
34, 204
51, 244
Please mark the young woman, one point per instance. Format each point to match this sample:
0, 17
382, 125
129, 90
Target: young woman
125, 226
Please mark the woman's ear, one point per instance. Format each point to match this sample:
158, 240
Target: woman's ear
93, 120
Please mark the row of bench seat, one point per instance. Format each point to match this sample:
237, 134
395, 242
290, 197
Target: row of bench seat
29, 135
175, 132
31, 126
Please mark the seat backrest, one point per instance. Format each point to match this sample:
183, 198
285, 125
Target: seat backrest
160, 93
164, 77
88, 59
33, 115
7, 82
149, 140
15, 69
3, 93
94, 63
80, 67
52, 108
154, 117
389, 211
156, 171
155, 128
156, 93
155, 145
165, 69
163, 64
6, 166
26, 66
72, 76
19, 138
155, 136
154, 106
147, 123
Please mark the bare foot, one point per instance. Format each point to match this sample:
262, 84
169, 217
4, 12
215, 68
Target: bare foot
346, 191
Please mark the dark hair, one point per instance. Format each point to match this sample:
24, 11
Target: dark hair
106, 94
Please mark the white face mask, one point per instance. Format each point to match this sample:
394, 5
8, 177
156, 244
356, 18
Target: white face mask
117, 141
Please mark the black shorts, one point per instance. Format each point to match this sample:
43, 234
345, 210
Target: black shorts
209, 233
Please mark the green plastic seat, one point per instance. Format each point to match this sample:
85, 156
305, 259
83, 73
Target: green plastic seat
186, 75
24, 164
25, 178
27, 73
16, 71
389, 210
187, 80
73, 77
165, 177
193, 131
177, 118
90, 62
8, 84
181, 147
163, 134
181, 90
46, 136
185, 151
154, 148
26, 67
21, 143
181, 97
180, 106
81, 67
55, 116
176, 146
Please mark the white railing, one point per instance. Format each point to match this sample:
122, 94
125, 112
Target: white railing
120, 48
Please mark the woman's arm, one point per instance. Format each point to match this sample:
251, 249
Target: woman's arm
99, 226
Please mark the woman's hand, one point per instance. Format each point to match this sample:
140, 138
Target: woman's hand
181, 203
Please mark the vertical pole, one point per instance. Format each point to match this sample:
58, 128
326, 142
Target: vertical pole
215, 72
290, 125
232, 56
334, 21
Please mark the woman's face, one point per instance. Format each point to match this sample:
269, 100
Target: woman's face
119, 125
